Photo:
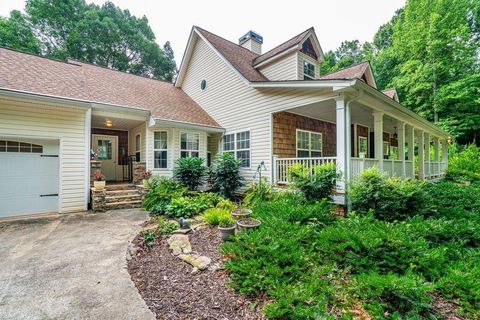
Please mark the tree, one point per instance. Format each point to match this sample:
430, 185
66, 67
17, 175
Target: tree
15, 33
349, 53
104, 35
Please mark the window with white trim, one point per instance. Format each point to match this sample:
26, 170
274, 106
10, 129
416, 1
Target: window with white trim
189, 144
309, 144
238, 144
160, 149
386, 148
138, 141
362, 145
16, 146
308, 71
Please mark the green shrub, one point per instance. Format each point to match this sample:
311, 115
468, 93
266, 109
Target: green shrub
191, 204
226, 204
161, 191
213, 216
225, 175
317, 183
261, 191
398, 296
226, 222
164, 226
465, 165
190, 172
390, 198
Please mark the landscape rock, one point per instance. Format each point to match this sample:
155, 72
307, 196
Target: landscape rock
199, 262
179, 243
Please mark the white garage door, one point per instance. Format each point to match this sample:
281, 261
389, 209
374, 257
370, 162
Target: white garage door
28, 176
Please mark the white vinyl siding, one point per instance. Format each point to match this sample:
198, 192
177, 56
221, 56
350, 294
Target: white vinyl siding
302, 57
139, 130
42, 121
173, 147
283, 69
235, 106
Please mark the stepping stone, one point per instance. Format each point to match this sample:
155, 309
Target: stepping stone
179, 243
199, 262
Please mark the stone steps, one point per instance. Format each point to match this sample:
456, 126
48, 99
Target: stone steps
123, 205
118, 196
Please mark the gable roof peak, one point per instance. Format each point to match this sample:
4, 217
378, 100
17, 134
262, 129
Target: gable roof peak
355, 71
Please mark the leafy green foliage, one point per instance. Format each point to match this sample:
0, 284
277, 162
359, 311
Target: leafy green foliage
104, 35
310, 262
191, 205
149, 238
165, 226
190, 171
389, 198
314, 185
257, 192
464, 166
225, 175
213, 216
226, 204
161, 191
226, 222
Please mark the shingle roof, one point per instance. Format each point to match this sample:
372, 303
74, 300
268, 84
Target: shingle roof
240, 57
82, 81
284, 46
350, 73
391, 93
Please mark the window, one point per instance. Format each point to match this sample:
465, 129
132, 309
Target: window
362, 145
138, 141
386, 149
105, 149
309, 144
15, 146
238, 144
160, 152
394, 152
203, 84
308, 71
189, 145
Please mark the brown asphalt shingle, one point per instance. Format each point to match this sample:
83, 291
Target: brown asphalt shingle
82, 81
350, 73
390, 93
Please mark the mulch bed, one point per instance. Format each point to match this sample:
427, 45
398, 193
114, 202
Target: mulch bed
172, 291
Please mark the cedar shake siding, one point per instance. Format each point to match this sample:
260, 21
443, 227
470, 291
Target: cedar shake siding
285, 125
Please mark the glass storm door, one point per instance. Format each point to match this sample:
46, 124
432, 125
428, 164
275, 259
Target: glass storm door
106, 149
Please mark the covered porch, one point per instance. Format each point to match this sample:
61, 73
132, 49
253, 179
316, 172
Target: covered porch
357, 133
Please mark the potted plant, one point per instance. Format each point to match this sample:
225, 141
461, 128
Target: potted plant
248, 223
241, 213
226, 226
146, 176
99, 180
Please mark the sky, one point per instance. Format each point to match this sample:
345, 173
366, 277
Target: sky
277, 21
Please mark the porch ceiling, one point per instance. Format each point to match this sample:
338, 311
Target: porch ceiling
360, 114
118, 123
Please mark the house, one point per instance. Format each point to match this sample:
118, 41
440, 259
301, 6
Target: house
271, 108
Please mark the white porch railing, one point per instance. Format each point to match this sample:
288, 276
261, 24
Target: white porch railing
281, 166
357, 166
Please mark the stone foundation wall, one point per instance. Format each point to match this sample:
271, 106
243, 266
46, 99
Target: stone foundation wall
139, 169
98, 200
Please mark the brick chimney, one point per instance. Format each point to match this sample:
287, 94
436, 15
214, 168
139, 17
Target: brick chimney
252, 41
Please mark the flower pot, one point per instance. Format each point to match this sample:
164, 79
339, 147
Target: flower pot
247, 224
99, 185
225, 233
241, 213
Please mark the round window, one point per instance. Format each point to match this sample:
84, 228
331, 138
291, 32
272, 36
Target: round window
203, 84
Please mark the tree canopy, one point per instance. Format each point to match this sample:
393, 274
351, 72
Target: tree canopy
104, 35
429, 51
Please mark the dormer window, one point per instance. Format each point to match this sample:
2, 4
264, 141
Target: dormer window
308, 71
307, 48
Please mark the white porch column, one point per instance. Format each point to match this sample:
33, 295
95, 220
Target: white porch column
428, 165
378, 138
401, 146
421, 155
411, 150
343, 142
445, 154
436, 155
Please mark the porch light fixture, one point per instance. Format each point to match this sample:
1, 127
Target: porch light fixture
109, 123
395, 135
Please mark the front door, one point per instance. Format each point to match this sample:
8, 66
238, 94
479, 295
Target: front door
106, 149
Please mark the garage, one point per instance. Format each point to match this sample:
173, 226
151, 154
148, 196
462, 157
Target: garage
29, 176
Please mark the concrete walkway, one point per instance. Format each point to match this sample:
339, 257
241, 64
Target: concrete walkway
72, 267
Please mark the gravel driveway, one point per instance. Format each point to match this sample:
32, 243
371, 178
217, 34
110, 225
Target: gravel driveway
70, 267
